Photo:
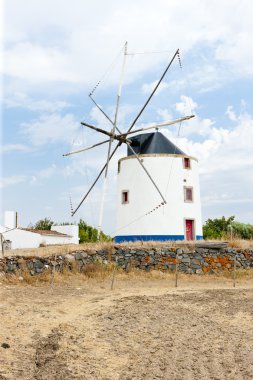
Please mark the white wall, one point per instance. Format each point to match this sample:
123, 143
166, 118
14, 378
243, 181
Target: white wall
171, 177
71, 230
53, 239
22, 239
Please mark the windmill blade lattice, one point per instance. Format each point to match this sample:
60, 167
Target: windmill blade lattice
121, 138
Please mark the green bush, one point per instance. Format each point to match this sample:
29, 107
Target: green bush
217, 228
90, 234
220, 228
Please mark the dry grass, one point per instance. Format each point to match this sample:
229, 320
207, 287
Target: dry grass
100, 271
58, 249
241, 243
96, 270
109, 246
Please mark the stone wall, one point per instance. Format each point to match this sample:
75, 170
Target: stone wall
189, 260
198, 260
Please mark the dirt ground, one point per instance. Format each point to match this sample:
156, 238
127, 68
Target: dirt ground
144, 329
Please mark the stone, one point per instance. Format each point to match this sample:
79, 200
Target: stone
141, 253
183, 267
194, 261
78, 256
195, 266
38, 264
69, 258
185, 260
200, 250
11, 267
30, 265
198, 257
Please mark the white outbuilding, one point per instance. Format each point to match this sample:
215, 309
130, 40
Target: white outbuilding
141, 212
31, 238
16, 237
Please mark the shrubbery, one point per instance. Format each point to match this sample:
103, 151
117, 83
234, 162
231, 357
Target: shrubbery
90, 234
220, 228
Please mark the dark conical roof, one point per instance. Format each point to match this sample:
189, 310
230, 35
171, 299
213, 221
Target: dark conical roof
152, 143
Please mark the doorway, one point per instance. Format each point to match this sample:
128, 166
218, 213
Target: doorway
189, 229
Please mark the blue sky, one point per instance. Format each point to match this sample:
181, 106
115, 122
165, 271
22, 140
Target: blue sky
54, 53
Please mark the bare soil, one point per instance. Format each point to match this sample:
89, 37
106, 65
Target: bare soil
144, 329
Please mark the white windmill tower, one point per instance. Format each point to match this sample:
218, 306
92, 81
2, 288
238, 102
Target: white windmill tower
158, 191
176, 175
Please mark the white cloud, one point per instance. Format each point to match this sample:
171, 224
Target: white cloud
186, 105
164, 114
12, 180
43, 174
50, 129
196, 125
47, 172
147, 88
226, 161
230, 113
15, 148
37, 64
22, 100
77, 48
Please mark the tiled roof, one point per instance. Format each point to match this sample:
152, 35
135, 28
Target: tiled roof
44, 232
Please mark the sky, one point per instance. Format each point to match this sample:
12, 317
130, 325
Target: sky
55, 52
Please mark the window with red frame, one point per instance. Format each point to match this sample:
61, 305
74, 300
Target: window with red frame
188, 194
125, 196
187, 163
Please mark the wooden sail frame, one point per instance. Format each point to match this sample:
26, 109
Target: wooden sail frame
122, 138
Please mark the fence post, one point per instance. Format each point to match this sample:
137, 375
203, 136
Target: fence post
114, 272
234, 272
2, 244
53, 272
176, 271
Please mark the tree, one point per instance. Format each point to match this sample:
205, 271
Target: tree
43, 224
221, 228
242, 230
90, 234
217, 228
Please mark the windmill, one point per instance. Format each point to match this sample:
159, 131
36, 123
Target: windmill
116, 135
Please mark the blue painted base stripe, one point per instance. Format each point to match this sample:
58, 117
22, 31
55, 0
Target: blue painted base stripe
128, 238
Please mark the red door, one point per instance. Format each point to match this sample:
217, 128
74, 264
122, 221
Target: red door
189, 229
